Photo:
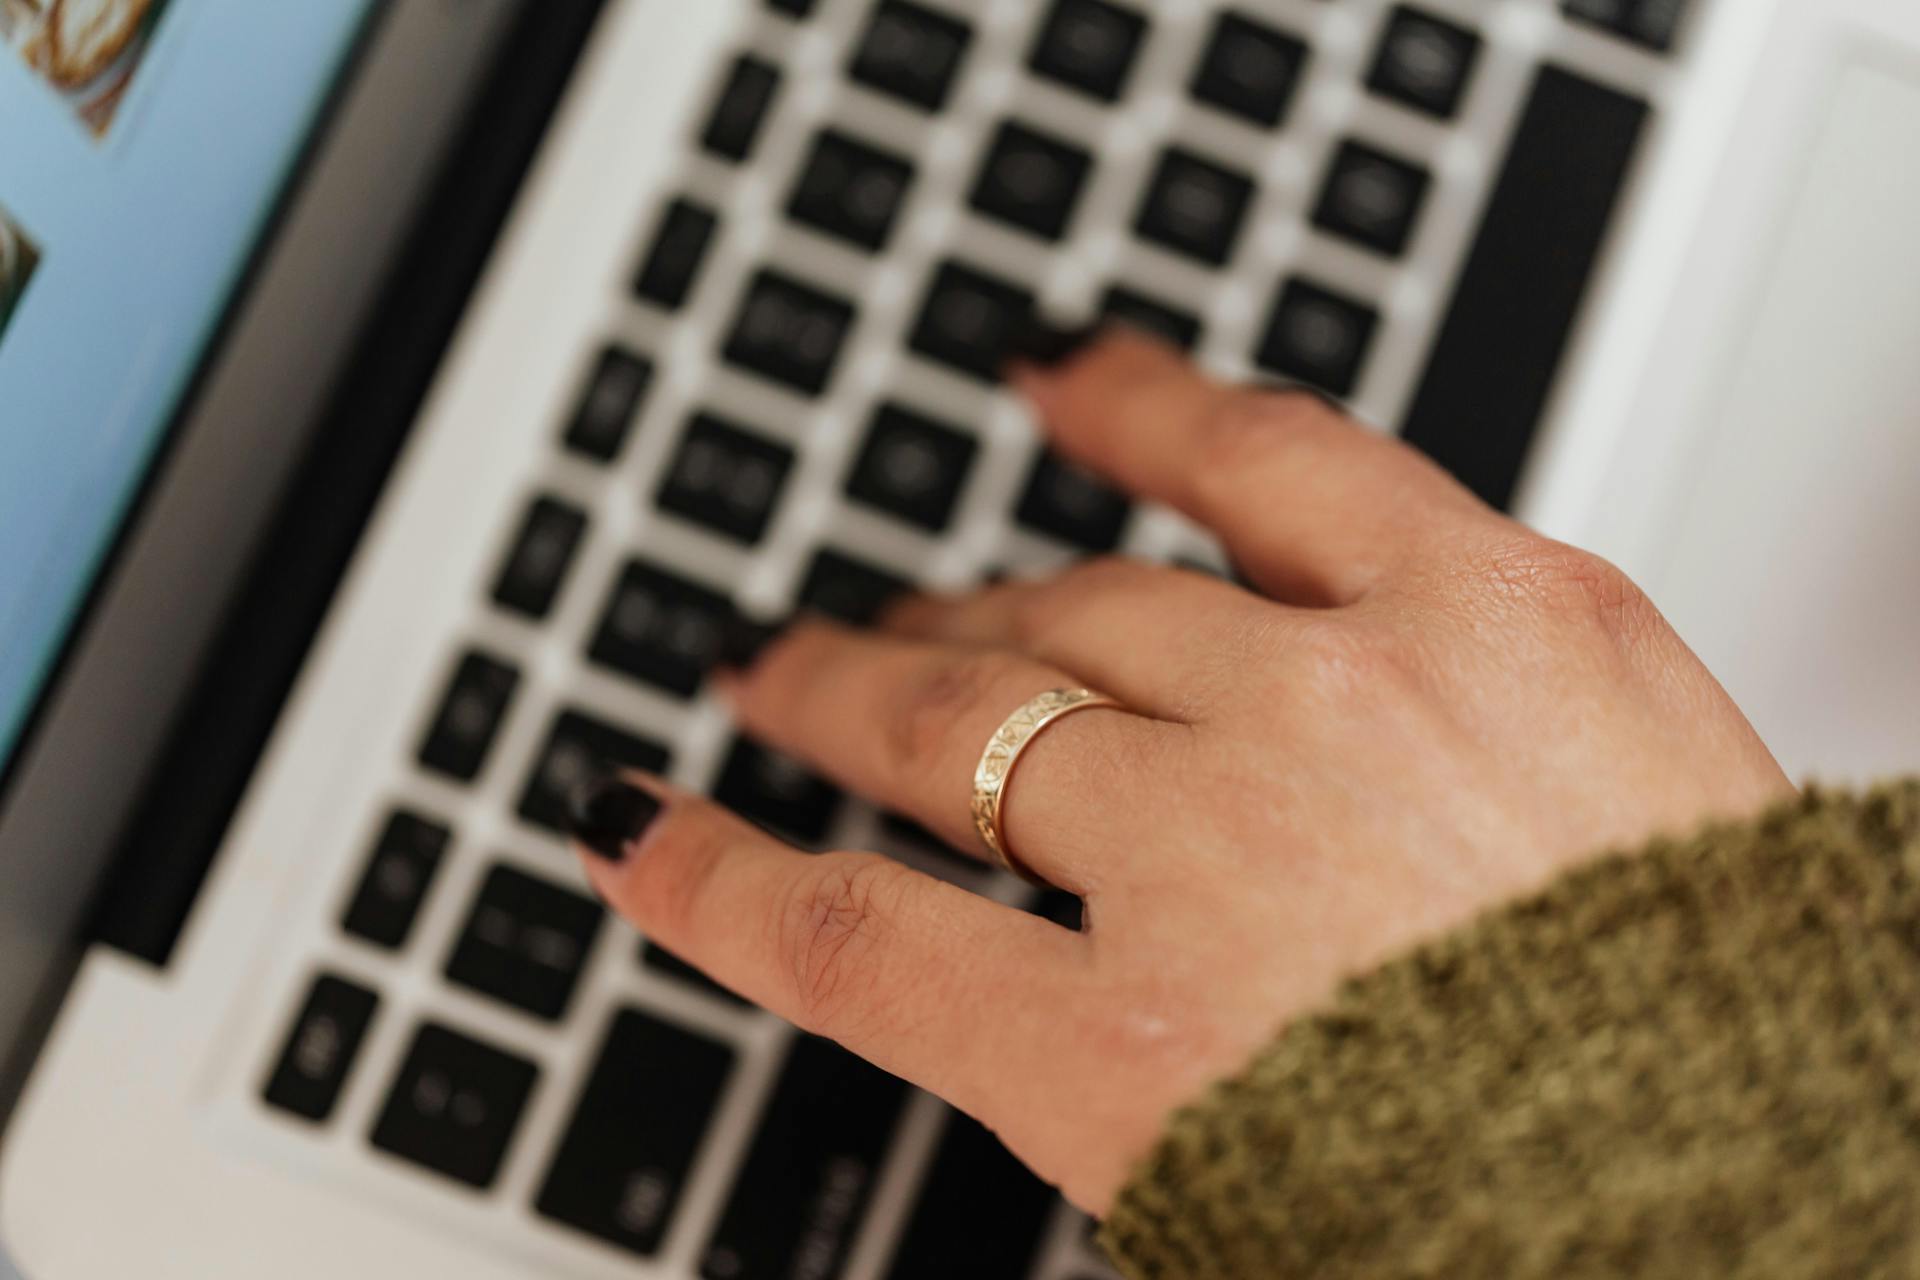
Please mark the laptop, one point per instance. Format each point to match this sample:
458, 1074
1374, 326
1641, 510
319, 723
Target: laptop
396, 402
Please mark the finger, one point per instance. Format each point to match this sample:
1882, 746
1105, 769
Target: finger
1314, 507
950, 990
904, 723
1162, 640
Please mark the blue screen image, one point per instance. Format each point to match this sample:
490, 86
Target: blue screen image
137, 175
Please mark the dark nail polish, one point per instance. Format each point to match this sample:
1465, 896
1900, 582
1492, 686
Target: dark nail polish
606, 815
743, 640
1040, 343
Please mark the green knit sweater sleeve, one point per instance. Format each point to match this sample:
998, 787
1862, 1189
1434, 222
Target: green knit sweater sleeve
1702, 1060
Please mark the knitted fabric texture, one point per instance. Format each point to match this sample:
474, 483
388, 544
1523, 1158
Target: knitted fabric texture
1703, 1060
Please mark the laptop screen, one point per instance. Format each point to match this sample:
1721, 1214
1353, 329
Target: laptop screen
143, 146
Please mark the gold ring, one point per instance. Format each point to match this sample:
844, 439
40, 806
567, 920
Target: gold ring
1015, 734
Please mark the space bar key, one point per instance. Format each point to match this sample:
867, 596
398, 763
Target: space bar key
1520, 294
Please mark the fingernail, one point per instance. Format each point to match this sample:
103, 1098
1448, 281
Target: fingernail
743, 639
606, 815
1047, 345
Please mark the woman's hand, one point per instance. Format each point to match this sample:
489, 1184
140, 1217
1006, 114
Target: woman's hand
1429, 710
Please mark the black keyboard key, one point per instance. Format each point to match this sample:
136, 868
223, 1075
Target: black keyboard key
1249, 69
912, 467
471, 709
851, 190
911, 52
844, 588
630, 1145
454, 1105
1072, 504
525, 943
1150, 315
1318, 337
803, 1192
1089, 45
788, 332
661, 629
577, 748
1424, 62
1652, 23
1194, 207
607, 407
741, 108
1372, 198
968, 319
662, 961
1032, 180
679, 245
979, 1213
775, 790
320, 1048
1519, 294
542, 552
400, 871
725, 478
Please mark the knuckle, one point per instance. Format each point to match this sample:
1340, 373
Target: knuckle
935, 701
828, 930
1577, 587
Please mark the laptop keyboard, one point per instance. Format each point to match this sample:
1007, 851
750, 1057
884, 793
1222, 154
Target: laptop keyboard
1395, 204
629, 1148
